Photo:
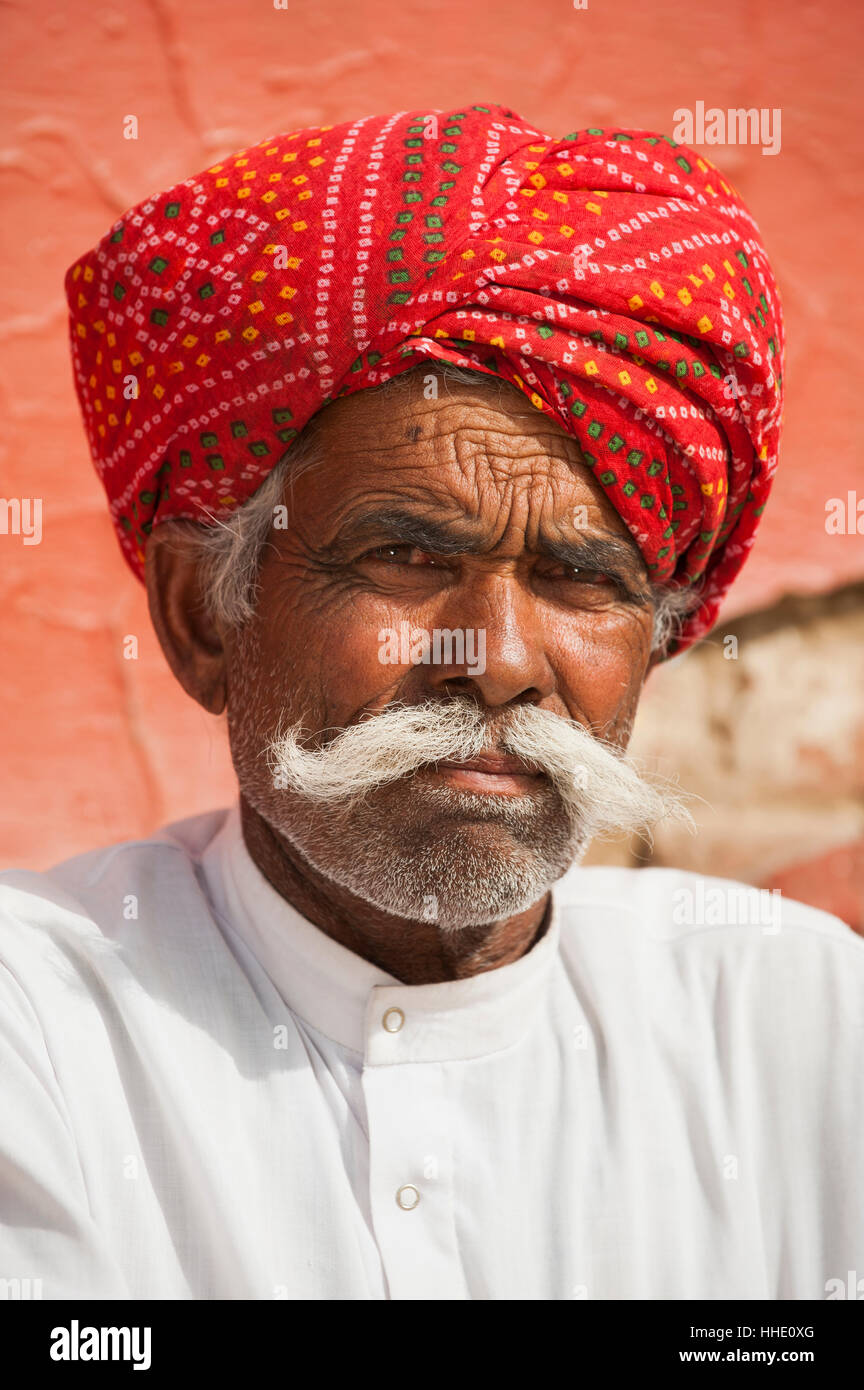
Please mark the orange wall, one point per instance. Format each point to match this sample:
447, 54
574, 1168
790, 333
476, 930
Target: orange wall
95, 747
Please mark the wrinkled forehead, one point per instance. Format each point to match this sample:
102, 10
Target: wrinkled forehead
456, 446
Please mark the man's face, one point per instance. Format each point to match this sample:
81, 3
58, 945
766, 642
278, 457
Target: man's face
468, 513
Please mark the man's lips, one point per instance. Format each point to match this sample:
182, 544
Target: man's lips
489, 772
493, 763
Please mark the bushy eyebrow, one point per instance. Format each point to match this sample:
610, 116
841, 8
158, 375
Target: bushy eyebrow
611, 554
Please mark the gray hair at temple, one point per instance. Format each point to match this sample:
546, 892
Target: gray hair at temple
231, 551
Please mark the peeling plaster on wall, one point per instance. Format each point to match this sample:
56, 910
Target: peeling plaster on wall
772, 740
173, 55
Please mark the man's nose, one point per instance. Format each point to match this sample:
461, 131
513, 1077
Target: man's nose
504, 645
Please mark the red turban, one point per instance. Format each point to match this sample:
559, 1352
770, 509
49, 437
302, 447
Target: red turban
614, 276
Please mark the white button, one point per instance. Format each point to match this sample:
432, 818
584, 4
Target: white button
393, 1020
408, 1197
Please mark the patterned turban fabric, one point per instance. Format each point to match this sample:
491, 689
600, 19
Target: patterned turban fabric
614, 276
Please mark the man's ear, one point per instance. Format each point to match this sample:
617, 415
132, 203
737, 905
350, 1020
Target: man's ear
192, 641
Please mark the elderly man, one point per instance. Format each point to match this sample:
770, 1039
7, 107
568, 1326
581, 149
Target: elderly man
431, 434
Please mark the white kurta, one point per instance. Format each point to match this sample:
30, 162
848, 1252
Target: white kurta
212, 1099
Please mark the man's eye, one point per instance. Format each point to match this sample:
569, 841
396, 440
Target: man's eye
596, 578
399, 554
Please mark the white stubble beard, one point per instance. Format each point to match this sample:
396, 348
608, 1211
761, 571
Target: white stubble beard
353, 810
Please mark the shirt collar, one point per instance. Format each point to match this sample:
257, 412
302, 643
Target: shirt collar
346, 997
